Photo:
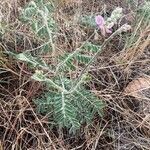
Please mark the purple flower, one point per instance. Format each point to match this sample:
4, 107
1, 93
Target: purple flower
100, 21
101, 24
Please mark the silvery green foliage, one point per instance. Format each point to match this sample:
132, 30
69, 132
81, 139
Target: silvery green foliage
115, 15
34, 61
39, 15
67, 101
81, 56
67, 109
144, 10
88, 20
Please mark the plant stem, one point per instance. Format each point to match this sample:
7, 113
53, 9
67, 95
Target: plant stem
93, 59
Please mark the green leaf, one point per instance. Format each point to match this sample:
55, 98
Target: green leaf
27, 57
88, 20
73, 109
39, 15
65, 113
91, 47
83, 58
38, 76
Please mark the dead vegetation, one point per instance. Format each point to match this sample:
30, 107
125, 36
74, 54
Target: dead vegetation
120, 77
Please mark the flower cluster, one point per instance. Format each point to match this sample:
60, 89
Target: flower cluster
105, 25
102, 25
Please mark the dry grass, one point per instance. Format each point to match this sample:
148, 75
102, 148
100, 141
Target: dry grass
126, 121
